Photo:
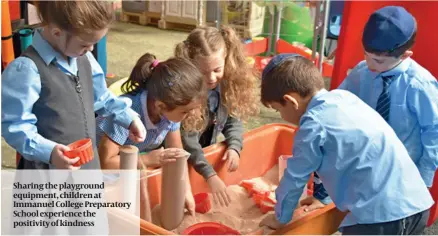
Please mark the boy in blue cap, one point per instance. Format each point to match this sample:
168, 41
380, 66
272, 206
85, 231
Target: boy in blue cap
402, 91
364, 166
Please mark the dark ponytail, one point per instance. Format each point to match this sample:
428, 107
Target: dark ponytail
141, 72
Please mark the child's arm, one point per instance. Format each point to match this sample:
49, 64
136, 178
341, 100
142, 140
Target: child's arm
197, 159
105, 103
21, 87
203, 167
109, 153
233, 132
422, 100
307, 157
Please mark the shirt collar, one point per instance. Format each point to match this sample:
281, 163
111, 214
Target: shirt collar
44, 49
147, 121
314, 101
399, 69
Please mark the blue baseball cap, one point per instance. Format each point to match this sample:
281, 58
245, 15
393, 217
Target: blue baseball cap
388, 28
276, 61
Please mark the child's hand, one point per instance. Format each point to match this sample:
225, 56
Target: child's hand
219, 190
137, 131
271, 221
232, 158
159, 157
190, 203
311, 204
60, 161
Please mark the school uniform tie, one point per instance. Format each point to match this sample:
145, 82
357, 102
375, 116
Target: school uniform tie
384, 101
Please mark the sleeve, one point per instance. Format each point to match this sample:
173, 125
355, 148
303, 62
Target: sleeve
175, 126
422, 100
105, 103
307, 157
233, 132
352, 82
115, 132
21, 87
319, 191
197, 159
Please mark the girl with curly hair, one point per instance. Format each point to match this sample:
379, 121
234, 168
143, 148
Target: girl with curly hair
232, 98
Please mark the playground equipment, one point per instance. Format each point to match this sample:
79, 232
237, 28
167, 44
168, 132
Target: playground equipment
276, 140
257, 47
7, 46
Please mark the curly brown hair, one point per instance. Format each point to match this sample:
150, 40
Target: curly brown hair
240, 81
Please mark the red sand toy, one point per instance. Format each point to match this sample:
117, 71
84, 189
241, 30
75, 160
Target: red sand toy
82, 149
209, 228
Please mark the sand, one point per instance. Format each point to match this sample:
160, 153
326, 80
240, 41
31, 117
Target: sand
242, 214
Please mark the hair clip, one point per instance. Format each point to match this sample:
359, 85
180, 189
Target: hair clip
155, 63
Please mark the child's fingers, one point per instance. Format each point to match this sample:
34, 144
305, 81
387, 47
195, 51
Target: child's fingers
228, 196
74, 167
225, 157
166, 161
219, 197
71, 161
225, 198
231, 165
63, 148
215, 199
312, 207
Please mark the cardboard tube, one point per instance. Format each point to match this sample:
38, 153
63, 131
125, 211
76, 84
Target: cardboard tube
173, 190
7, 45
128, 165
145, 206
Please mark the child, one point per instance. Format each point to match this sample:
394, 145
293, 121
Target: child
163, 94
50, 94
232, 98
365, 168
401, 90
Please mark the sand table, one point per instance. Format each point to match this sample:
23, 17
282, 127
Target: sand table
242, 214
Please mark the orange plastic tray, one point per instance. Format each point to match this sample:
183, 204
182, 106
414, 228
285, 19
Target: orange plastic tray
262, 147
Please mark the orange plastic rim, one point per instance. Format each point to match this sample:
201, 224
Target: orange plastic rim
210, 228
83, 149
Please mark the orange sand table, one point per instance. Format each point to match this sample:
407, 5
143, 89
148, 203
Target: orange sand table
242, 214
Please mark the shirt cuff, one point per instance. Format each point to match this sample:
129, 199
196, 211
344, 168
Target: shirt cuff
327, 200
427, 176
207, 171
235, 148
43, 149
125, 119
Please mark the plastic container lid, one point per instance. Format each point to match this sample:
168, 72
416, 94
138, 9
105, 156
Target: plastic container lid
83, 149
210, 228
203, 203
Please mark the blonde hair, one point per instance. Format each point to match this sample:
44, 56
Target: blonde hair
76, 17
239, 84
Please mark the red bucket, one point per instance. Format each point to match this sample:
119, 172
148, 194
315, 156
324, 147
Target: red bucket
210, 228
